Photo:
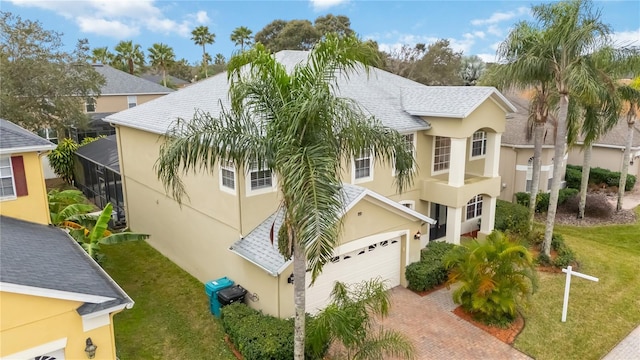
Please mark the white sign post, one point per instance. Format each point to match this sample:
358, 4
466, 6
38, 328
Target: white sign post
568, 285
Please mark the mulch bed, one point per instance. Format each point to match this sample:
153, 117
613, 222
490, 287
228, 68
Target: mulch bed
506, 335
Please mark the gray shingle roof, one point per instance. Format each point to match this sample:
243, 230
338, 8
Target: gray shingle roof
257, 248
449, 101
13, 136
377, 94
157, 79
102, 151
122, 83
41, 256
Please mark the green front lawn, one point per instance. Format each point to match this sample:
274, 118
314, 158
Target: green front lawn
599, 314
170, 318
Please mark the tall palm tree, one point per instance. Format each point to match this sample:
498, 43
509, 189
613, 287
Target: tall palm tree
161, 56
101, 55
571, 32
631, 96
130, 55
294, 124
241, 36
201, 36
219, 59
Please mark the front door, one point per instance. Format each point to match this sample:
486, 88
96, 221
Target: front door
439, 229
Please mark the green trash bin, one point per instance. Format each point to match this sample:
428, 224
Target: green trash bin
212, 288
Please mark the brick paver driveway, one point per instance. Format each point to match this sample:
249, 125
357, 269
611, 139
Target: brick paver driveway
437, 333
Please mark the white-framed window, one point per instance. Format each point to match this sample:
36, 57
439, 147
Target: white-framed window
441, 154
479, 144
7, 183
228, 176
363, 167
408, 204
49, 134
474, 207
132, 101
529, 178
90, 104
259, 177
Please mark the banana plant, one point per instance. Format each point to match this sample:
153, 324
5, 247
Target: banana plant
67, 205
91, 236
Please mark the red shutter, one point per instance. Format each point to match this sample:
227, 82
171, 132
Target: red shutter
18, 176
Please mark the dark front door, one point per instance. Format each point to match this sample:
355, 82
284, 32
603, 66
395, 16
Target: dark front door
439, 229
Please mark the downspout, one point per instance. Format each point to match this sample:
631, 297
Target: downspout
41, 154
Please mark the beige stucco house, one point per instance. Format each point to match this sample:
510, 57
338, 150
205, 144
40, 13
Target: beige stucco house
223, 228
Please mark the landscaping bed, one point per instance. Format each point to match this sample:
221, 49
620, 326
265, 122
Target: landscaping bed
506, 335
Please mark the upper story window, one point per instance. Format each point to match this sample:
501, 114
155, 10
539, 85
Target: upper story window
49, 134
90, 105
410, 204
529, 177
228, 176
363, 166
132, 101
7, 185
479, 144
474, 207
441, 153
260, 178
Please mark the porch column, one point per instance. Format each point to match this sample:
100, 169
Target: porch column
454, 223
457, 161
488, 217
492, 158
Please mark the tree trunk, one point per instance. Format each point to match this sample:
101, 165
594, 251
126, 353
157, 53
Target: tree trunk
535, 173
584, 182
299, 287
558, 170
625, 164
204, 62
164, 77
130, 63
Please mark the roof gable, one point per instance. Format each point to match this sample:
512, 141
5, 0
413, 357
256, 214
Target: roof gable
257, 248
122, 83
14, 138
450, 101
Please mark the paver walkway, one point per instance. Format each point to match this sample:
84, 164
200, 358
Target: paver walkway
627, 349
438, 333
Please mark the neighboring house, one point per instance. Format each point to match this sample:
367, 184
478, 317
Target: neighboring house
516, 152
97, 175
53, 296
22, 190
223, 228
157, 78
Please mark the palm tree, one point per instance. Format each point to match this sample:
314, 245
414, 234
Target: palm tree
219, 59
296, 126
471, 69
348, 319
201, 36
631, 97
495, 276
241, 36
101, 55
570, 33
161, 56
129, 55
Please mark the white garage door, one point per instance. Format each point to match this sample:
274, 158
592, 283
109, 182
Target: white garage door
380, 259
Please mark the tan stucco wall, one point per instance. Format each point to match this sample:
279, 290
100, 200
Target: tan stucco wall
29, 321
515, 180
488, 115
606, 158
33, 207
114, 103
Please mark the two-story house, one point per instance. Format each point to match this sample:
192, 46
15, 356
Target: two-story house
55, 301
223, 228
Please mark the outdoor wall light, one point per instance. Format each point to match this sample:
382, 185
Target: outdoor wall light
90, 349
417, 235
290, 279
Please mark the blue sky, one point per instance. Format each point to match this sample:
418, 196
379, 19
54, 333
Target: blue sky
474, 27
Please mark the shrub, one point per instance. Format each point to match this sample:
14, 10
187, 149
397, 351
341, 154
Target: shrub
610, 178
542, 200
258, 336
61, 159
565, 256
596, 206
573, 177
523, 198
429, 272
512, 217
496, 276
565, 194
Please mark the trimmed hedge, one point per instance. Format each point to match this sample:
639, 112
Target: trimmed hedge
597, 176
512, 217
542, 200
258, 336
429, 272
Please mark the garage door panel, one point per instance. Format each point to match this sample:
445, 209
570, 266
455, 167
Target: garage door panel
381, 259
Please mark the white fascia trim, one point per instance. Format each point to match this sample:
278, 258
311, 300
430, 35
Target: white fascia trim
274, 274
39, 350
25, 149
435, 114
136, 94
526, 167
55, 294
397, 206
514, 146
101, 318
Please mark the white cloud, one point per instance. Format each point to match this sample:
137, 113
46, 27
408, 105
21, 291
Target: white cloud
495, 30
488, 57
498, 17
119, 18
102, 26
627, 38
325, 4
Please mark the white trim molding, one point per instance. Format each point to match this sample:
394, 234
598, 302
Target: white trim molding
51, 293
38, 350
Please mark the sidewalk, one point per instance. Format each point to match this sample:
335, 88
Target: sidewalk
627, 349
